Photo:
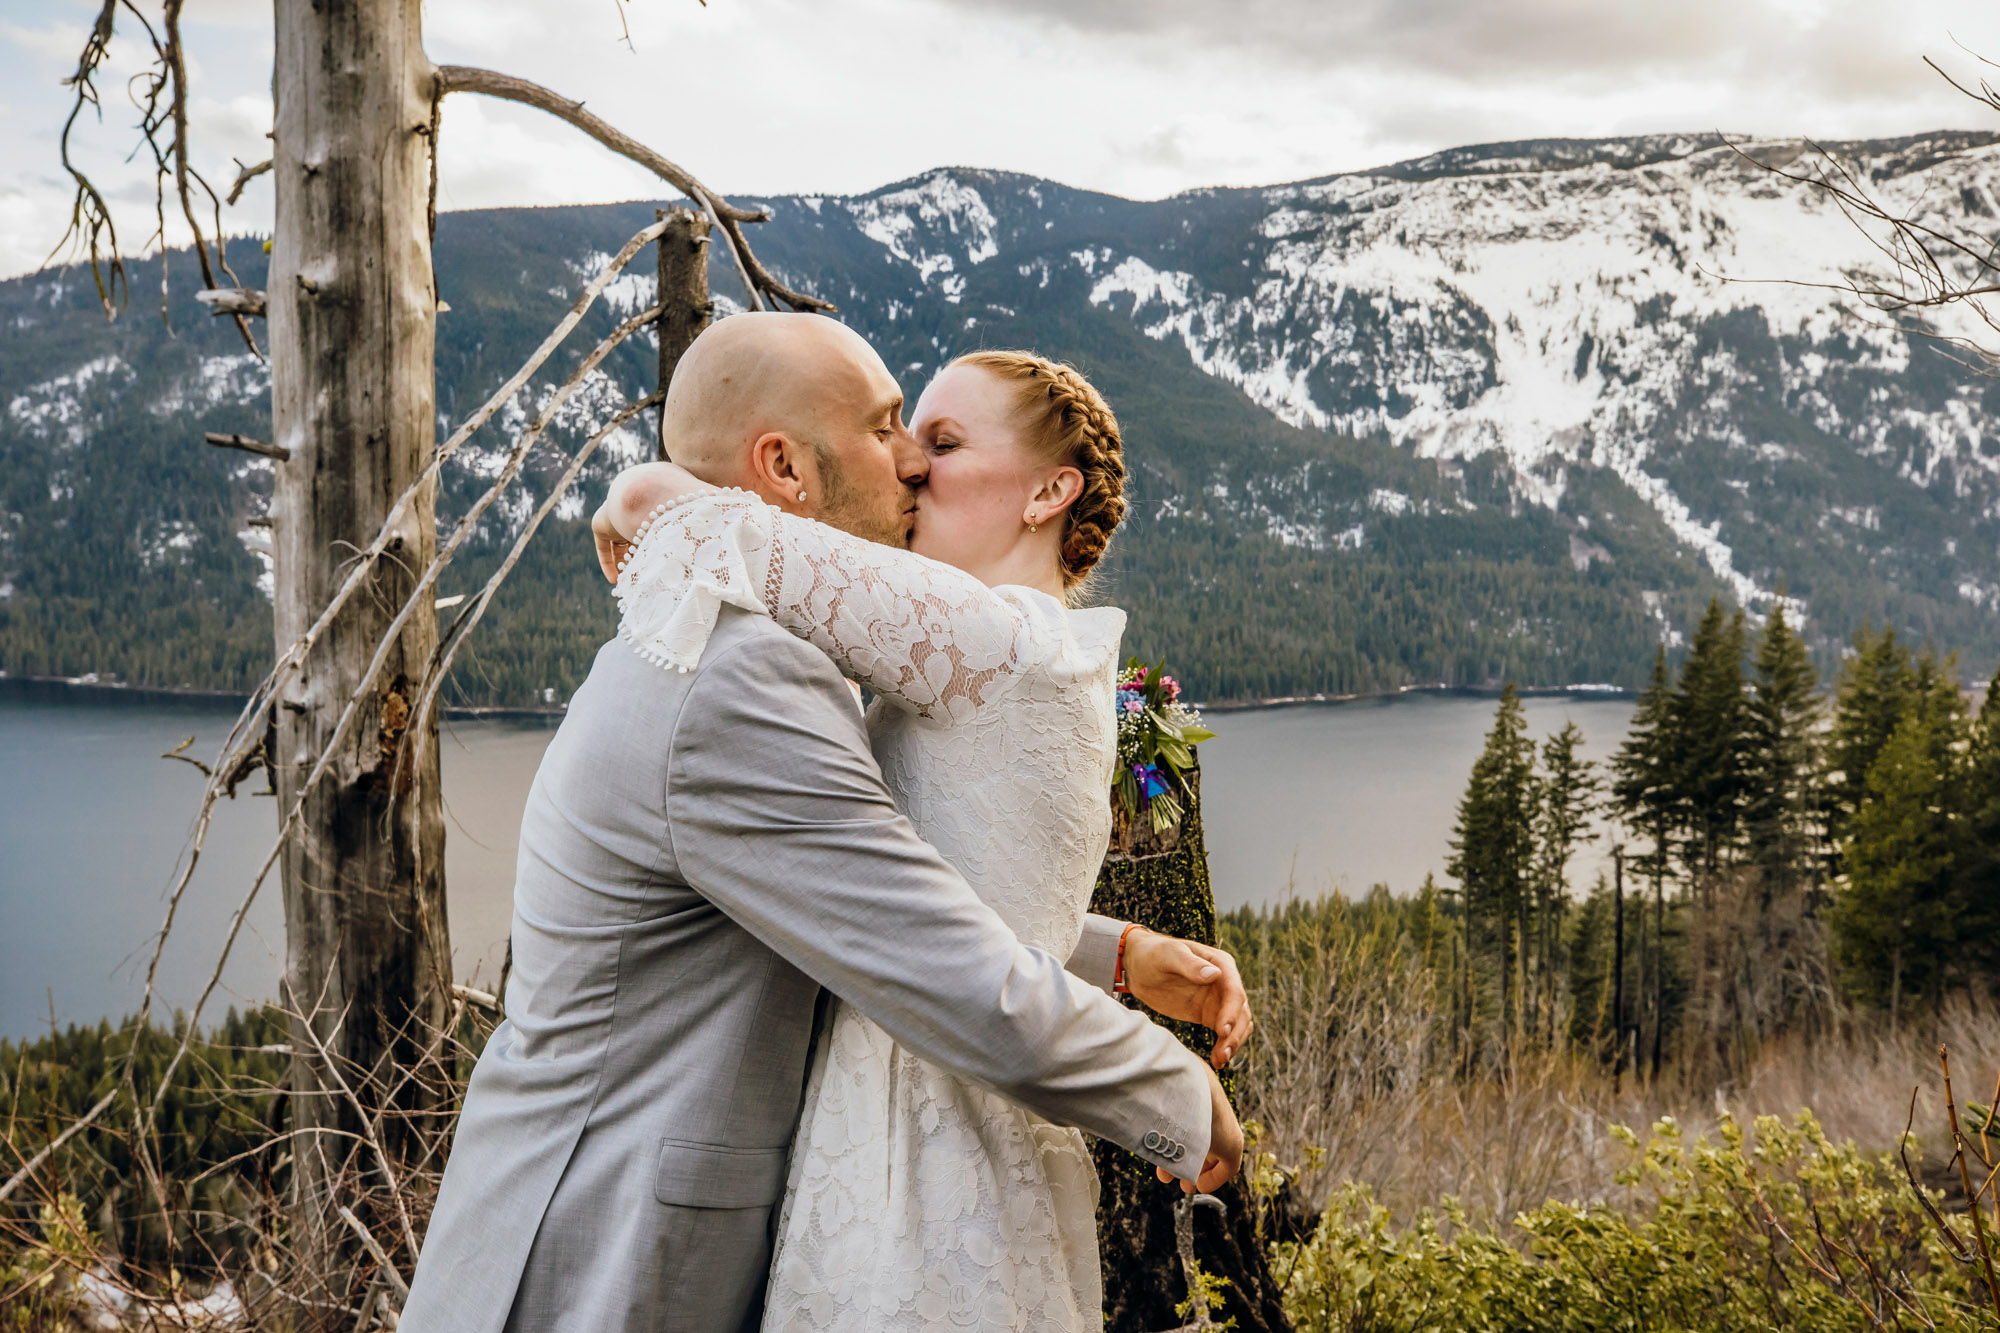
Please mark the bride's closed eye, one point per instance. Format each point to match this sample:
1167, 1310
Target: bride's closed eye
943, 444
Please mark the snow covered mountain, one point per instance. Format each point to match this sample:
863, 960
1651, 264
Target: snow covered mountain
1511, 410
1662, 311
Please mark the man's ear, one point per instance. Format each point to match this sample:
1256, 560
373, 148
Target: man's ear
783, 468
1059, 490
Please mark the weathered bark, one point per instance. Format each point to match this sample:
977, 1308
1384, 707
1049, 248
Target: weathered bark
1135, 1212
685, 305
352, 315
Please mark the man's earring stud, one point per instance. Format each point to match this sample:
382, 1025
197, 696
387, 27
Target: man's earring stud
802, 497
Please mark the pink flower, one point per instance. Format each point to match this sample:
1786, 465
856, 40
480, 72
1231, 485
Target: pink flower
1141, 677
1173, 687
1134, 706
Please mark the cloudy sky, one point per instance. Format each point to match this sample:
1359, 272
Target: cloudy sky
1139, 97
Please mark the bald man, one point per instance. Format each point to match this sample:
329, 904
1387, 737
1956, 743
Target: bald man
702, 854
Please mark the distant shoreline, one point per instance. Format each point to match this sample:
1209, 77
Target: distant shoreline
56, 688
1432, 691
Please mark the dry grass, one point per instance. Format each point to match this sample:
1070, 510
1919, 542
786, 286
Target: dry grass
1354, 1056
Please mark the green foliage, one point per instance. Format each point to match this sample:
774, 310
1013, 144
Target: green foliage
36, 1280
1776, 1229
1898, 920
215, 1127
1872, 694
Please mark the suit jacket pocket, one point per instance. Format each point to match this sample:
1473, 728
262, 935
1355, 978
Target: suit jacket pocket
707, 1175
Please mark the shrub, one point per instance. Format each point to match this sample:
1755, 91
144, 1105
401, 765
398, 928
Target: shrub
1773, 1229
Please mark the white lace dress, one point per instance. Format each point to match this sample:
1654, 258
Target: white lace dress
916, 1199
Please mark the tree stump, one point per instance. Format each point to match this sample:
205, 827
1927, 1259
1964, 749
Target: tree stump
1162, 884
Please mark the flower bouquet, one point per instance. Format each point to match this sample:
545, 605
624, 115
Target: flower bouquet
1157, 734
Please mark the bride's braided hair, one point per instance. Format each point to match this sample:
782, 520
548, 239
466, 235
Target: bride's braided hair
1069, 421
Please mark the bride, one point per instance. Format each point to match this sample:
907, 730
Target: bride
917, 1199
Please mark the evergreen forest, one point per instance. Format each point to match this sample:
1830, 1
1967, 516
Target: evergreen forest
1789, 855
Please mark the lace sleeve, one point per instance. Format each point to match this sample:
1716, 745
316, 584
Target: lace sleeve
902, 625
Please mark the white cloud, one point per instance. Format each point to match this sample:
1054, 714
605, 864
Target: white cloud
1138, 97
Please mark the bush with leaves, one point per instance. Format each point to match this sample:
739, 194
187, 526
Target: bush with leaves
1775, 1228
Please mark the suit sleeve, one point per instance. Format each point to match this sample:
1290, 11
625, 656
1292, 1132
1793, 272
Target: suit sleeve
1095, 957
777, 814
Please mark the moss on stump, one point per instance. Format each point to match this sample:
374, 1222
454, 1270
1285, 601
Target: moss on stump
1135, 1222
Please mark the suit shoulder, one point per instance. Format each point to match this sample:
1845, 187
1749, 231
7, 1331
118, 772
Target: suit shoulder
748, 645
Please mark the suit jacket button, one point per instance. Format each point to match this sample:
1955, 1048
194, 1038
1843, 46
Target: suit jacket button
1152, 1140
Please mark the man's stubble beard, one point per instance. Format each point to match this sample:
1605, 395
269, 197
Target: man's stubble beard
847, 508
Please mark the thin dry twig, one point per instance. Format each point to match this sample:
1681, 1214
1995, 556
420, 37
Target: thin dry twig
1944, 1228
375, 1251
1965, 1178
82, 1123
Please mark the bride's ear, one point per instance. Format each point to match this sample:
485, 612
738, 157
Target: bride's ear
1058, 491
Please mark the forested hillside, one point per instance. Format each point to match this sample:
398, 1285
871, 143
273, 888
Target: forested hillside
1439, 423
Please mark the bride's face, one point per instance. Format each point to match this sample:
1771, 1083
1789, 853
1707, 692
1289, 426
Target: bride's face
983, 477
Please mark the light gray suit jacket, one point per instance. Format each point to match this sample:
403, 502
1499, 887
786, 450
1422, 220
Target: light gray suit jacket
700, 854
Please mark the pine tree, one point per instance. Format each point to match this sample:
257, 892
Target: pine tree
1895, 922
1493, 847
1872, 695
1566, 798
1589, 961
1977, 862
1711, 733
1779, 817
1645, 788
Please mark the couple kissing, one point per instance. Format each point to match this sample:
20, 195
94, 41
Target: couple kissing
806, 1010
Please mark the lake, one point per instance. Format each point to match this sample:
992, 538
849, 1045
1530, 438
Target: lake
92, 822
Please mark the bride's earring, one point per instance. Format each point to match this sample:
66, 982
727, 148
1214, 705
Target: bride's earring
1034, 523
802, 497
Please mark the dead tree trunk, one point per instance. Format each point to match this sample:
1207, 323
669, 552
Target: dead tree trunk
1135, 1213
352, 319
685, 305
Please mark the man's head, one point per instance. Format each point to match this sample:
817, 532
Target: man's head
792, 406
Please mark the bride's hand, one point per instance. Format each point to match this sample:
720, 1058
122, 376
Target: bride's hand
634, 494
1192, 982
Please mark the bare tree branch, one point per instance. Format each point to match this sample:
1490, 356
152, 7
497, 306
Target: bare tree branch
163, 112
244, 175
90, 217
358, 577
234, 301
467, 79
248, 445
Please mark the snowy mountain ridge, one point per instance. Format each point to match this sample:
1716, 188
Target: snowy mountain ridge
1548, 303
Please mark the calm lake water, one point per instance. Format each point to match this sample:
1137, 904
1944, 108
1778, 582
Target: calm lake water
92, 822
